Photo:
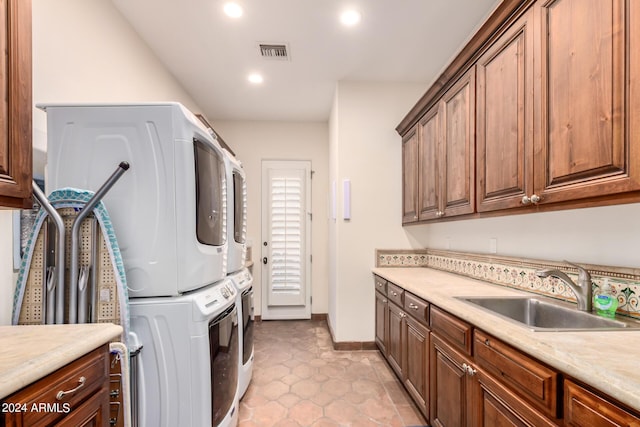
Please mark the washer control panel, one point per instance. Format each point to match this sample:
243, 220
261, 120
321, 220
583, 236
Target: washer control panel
215, 297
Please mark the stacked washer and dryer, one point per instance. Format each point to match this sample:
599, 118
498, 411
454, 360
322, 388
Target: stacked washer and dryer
175, 215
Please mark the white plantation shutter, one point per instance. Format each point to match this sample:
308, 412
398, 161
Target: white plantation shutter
287, 227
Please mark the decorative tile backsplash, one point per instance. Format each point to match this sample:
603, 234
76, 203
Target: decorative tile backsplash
401, 258
520, 273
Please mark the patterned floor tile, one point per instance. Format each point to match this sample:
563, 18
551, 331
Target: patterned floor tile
300, 381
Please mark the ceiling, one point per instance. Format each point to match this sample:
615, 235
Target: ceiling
211, 54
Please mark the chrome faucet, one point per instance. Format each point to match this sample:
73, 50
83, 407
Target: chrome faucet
582, 289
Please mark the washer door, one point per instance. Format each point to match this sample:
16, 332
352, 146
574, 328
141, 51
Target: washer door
247, 325
223, 350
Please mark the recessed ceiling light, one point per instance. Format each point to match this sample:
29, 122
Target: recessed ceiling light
350, 17
255, 78
233, 10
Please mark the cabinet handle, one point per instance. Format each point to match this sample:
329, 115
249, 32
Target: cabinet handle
385, 301
439, 214
469, 369
61, 394
487, 342
413, 306
526, 200
395, 294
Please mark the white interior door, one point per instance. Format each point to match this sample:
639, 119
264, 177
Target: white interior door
286, 216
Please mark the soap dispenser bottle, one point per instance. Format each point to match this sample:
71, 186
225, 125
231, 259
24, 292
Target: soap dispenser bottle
605, 302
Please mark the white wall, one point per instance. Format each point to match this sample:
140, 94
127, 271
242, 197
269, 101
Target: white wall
607, 235
256, 141
365, 149
83, 51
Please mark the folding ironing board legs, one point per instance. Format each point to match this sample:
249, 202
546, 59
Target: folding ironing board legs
75, 245
54, 283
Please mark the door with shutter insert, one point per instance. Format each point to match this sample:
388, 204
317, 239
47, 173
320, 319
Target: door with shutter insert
286, 216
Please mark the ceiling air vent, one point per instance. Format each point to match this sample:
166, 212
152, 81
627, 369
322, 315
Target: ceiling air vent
274, 51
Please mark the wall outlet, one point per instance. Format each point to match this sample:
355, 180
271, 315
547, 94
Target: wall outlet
493, 245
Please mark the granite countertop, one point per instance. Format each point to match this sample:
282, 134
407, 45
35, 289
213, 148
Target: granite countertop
603, 359
28, 353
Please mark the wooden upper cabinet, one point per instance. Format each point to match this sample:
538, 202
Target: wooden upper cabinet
458, 111
584, 145
410, 177
15, 109
429, 149
504, 120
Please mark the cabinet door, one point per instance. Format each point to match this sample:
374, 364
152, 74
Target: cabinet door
499, 406
92, 413
395, 345
457, 173
410, 177
584, 408
450, 392
417, 368
15, 107
382, 316
504, 121
584, 146
429, 148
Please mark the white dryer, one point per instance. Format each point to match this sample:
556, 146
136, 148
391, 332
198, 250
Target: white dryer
169, 209
188, 365
243, 282
236, 213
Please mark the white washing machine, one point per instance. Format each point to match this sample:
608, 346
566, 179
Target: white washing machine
188, 365
243, 282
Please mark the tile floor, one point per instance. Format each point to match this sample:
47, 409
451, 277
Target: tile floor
299, 380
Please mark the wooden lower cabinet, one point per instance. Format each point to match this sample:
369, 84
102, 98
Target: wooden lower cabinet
416, 370
583, 407
496, 405
460, 376
75, 395
396, 344
382, 317
92, 413
450, 386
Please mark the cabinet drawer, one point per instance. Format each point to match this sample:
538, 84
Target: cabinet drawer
454, 330
395, 293
584, 408
380, 284
80, 379
525, 376
417, 308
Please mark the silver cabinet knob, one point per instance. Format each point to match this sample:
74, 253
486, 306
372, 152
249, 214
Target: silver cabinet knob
413, 306
439, 214
534, 199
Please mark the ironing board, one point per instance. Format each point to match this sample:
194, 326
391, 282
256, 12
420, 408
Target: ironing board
111, 297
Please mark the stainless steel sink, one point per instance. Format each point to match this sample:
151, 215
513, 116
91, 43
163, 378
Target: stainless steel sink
543, 314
